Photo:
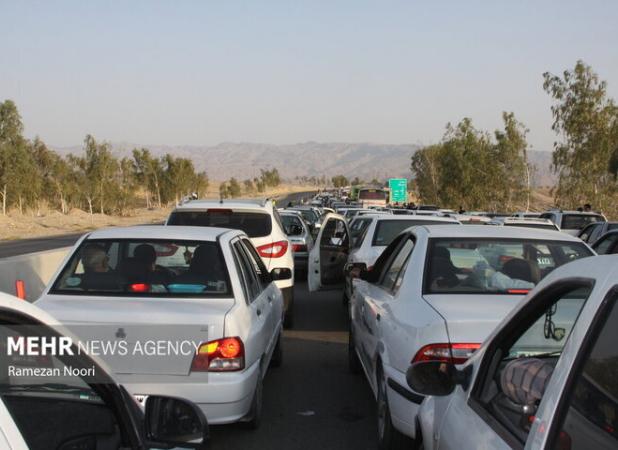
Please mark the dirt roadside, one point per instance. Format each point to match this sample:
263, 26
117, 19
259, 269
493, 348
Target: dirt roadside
49, 223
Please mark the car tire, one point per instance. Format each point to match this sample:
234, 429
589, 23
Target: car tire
354, 365
277, 358
255, 412
389, 438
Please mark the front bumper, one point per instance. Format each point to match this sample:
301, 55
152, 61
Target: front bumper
223, 397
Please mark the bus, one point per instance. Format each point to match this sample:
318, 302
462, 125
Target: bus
372, 197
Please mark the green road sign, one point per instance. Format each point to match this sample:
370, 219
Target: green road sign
399, 190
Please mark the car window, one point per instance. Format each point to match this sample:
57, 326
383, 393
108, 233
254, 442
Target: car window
524, 361
386, 230
578, 221
596, 232
391, 279
358, 229
592, 416
258, 264
290, 221
253, 285
494, 266
254, 224
587, 232
607, 245
134, 267
334, 234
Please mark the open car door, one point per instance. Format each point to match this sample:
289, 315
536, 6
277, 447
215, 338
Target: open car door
329, 254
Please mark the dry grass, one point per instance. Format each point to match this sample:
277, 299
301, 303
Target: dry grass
48, 223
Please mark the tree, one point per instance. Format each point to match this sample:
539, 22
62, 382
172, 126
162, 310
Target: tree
339, 181
233, 188
586, 122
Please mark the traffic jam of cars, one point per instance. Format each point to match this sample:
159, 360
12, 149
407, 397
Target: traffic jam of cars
472, 329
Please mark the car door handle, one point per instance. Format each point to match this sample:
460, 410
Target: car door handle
270, 299
378, 317
259, 312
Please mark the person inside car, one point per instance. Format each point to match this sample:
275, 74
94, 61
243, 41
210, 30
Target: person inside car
95, 259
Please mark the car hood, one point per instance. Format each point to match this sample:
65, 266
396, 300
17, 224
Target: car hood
471, 318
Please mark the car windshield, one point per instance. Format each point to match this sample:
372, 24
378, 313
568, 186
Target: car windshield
387, 230
579, 221
128, 267
494, 266
254, 224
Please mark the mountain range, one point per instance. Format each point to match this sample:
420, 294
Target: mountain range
367, 161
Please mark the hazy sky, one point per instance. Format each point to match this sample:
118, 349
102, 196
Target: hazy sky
204, 72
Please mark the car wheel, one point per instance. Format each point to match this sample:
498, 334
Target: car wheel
389, 438
255, 413
354, 365
277, 359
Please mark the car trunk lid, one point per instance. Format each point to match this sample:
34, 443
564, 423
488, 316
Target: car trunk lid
471, 318
159, 334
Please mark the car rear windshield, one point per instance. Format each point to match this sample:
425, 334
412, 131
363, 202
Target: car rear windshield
579, 221
309, 215
372, 194
494, 266
289, 221
161, 268
387, 230
254, 224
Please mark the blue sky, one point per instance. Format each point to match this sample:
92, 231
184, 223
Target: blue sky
204, 72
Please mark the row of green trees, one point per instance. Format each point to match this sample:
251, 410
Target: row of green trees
267, 179
33, 176
476, 170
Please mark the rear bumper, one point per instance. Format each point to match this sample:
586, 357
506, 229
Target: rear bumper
223, 397
403, 403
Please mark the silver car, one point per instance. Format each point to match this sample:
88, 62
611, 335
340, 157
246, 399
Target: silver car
300, 236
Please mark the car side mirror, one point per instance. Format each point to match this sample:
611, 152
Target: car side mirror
281, 273
175, 422
356, 270
437, 378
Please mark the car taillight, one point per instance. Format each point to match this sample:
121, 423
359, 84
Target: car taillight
299, 247
139, 287
273, 250
455, 353
222, 355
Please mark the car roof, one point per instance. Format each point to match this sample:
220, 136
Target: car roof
526, 220
448, 231
224, 203
162, 232
583, 213
414, 217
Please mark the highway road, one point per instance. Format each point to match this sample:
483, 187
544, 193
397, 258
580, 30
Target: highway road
311, 401
22, 246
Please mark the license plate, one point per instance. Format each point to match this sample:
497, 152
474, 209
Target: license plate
141, 399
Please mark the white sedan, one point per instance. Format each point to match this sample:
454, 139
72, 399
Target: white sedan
546, 378
436, 293
379, 230
203, 297
52, 396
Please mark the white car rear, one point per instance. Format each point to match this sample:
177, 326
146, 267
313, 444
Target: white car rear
204, 286
436, 293
260, 220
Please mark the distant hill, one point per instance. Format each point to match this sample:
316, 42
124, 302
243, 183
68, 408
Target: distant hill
367, 161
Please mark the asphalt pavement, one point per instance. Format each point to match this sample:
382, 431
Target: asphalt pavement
311, 401
22, 246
